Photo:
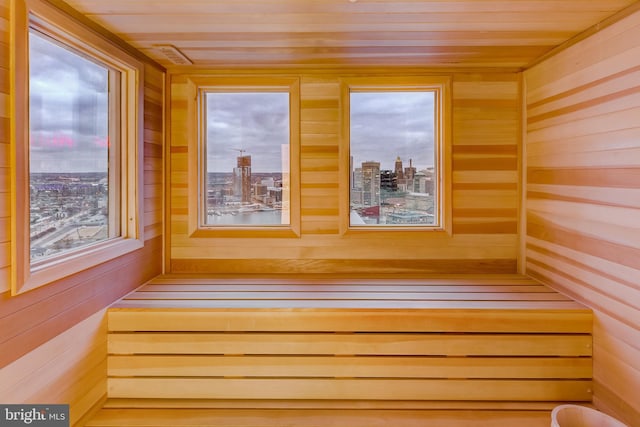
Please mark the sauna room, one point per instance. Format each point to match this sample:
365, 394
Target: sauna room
451, 238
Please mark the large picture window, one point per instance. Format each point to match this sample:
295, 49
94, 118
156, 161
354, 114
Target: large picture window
396, 152
76, 131
244, 155
73, 142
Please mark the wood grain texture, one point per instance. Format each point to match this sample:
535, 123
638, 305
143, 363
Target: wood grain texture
484, 180
69, 369
178, 417
248, 348
334, 33
39, 328
582, 197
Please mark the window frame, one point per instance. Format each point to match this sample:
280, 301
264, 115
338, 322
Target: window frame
196, 153
66, 31
442, 86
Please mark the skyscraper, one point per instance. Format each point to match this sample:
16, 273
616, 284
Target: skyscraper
371, 183
242, 178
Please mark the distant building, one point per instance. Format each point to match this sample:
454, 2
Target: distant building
388, 180
371, 183
242, 179
356, 179
410, 172
398, 169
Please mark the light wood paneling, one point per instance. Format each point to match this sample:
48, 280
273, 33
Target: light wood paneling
583, 197
331, 33
116, 417
45, 357
483, 237
69, 369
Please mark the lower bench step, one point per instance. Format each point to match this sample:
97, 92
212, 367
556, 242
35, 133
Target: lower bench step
196, 417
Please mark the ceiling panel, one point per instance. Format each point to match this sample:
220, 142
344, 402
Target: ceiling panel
338, 33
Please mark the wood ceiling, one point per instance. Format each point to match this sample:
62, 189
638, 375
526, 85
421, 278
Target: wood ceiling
339, 33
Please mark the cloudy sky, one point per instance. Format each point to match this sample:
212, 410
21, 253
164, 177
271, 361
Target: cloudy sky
69, 101
255, 122
385, 125
67, 107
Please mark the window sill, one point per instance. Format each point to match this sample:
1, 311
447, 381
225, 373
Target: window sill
68, 264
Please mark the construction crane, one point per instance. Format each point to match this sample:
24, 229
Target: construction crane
240, 150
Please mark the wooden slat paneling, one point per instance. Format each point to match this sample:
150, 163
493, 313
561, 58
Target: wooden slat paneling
582, 197
69, 369
336, 33
483, 239
241, 353
44, 357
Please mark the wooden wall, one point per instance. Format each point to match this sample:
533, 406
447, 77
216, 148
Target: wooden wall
483, 238
29, 320
70, 368
583, 196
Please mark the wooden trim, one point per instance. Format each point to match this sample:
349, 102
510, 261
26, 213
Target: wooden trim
443, 147
195, 149
26, 276
340, 71
522, 175
19, 95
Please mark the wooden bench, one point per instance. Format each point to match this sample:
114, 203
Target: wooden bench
321, 352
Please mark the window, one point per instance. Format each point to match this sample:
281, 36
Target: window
246, 144
73, 177
247, 164
396, 136
76, 189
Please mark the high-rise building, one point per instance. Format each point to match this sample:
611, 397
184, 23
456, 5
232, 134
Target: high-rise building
398, 169
371, 183
242, 178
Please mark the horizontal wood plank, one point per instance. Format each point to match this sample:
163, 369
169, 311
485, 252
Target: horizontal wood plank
181, 417
349, 344
349, 366
346, 295
389, 320
310, 388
